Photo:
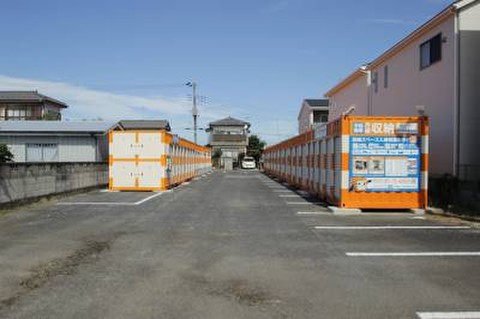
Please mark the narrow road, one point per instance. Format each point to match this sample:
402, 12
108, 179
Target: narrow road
231, 245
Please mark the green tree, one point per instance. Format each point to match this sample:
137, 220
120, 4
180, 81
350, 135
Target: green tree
217, 154
5, 154
255, 147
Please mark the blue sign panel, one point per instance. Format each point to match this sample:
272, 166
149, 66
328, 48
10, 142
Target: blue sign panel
384, 163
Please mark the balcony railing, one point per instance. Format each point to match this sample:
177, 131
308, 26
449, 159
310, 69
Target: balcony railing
228, 138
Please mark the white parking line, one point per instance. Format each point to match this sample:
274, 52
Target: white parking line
282, 191
148, 198
389, 227
96, 203
448, 315
304, 203
418, 254
313, 213
419, 217
111, 203
290, 195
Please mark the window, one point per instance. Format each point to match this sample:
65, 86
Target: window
385, 76
39, 152
431, 51
320, 116
375, 81
19, 112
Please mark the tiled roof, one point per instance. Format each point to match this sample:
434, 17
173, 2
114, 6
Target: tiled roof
55, 126
317, 102
230, 121
144, 125
28, 96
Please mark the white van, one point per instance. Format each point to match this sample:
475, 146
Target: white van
248, 162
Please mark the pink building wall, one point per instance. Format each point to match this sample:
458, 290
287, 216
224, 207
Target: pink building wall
409, 86
355, 94
469, 93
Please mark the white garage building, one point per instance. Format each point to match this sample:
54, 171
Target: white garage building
55, 141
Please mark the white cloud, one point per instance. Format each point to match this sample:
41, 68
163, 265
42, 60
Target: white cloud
90, 104
85, 103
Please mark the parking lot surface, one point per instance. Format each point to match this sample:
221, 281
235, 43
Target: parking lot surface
232, 245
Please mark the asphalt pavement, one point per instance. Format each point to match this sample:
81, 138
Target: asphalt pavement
232, 245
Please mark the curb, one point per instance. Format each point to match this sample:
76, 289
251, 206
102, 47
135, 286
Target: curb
441, 212
344, 211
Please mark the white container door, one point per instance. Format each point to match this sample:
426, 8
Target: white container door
123, 145
150, 145
123, 174
150, 174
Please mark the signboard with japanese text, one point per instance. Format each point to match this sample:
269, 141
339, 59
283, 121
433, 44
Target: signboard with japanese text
384, 157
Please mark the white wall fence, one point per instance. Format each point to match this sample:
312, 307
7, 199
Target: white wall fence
27, 181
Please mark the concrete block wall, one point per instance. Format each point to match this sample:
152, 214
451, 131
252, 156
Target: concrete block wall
24, 181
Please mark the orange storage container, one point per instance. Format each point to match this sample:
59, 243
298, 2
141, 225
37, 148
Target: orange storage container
358, 162
153, 160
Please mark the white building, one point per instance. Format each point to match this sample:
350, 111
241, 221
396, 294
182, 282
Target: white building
55, 141
435, 69
313, 111
230, 136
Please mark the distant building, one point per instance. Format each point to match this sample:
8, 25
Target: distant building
55, 141
29, 106
313, 111
229, 135
433, 70
140, 125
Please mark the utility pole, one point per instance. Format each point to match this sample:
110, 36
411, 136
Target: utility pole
193, 85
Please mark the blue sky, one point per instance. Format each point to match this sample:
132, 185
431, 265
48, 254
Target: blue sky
255, 60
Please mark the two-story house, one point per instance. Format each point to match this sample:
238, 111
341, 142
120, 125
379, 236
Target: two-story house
313, 111
29, 106
229, 135
435, 70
